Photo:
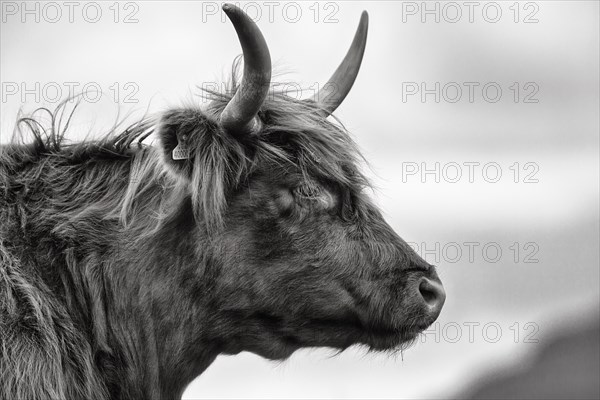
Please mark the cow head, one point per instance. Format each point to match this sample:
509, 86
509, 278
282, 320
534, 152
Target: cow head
293, 251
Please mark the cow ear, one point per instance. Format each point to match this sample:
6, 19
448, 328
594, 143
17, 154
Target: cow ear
180, 132
211, 162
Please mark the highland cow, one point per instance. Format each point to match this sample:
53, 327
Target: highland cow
126, 268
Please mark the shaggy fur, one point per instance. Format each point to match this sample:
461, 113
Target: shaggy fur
124, 273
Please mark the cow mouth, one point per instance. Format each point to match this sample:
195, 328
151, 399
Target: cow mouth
348, 332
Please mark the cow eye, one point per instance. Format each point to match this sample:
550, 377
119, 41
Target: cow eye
307, 191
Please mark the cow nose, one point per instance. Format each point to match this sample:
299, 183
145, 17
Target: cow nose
434, 295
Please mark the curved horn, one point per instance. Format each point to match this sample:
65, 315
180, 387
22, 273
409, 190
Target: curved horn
340, 83
239, 114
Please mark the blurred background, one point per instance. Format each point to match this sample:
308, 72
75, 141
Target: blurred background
481, 126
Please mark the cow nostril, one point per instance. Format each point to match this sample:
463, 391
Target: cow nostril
428, 294
433, 293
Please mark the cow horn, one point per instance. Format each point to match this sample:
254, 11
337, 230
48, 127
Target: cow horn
340, 83
240, 113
